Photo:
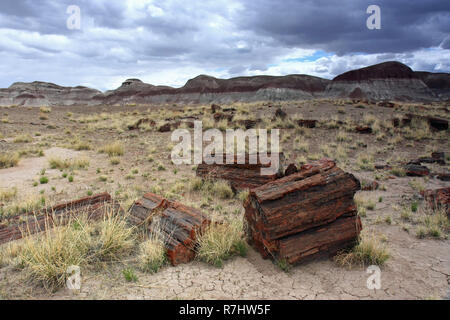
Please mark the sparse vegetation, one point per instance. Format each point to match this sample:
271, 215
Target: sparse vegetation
369, 251
220, 241
114, 149
8, 160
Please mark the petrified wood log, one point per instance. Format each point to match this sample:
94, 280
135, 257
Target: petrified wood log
317, 195
307, 123
438, 198
177, 224
142, 210
416, 170
363, 129
180, 226
327, 239
93, 207
240, 176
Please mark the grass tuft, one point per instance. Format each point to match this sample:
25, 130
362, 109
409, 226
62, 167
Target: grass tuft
221, 241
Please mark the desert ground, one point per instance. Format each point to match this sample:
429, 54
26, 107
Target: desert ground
104, 155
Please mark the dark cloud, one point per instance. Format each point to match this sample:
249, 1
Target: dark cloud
340, 26
167, 42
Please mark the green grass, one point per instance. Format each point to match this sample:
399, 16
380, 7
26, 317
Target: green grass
43, 180
129, 275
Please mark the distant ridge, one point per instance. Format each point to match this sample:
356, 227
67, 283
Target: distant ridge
385, 81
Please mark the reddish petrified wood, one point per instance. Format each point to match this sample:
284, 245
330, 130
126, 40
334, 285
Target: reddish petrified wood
326, 239
438, 198
141, 211
363, 129
279, 113
93, 207
222, 116
307, 123
141, 121
280, 211
291, 169
370, 186
176, 223
215, 107
240, 175
416, 170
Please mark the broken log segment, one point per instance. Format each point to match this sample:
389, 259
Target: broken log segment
94, 207
177, 224
142, 210
327, 239
317, 196
240, 175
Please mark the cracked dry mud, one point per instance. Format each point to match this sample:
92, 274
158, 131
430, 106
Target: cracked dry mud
417, 268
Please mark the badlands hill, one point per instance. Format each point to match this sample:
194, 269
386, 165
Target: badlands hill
384, 81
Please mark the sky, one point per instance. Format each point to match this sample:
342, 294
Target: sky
168, 42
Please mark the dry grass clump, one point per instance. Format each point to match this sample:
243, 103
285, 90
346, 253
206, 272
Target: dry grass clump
23, 204
58, 163
152, 252
435, 224
7, 194
370, 250
115, 238
45, 109
216, 188
152, 255
221, 241
23, 138
113, 149
80, 145
47, 257
365, 162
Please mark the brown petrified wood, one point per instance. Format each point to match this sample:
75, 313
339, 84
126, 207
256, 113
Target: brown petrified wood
283, 215
93, 207
307, 123
142, 210
438, 198
240, 175
327, 239
177, 224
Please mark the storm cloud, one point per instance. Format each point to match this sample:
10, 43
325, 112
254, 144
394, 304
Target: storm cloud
168, 42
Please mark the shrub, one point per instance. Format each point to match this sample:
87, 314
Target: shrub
43, 180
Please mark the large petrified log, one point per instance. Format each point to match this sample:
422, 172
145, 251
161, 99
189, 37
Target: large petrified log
177, 224
240, 175
93, 207
285, 214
